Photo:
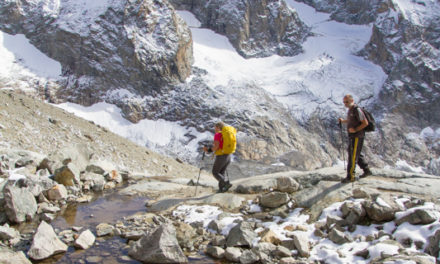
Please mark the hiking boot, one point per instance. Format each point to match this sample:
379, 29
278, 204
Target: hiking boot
346, 180
367, 172
227, 186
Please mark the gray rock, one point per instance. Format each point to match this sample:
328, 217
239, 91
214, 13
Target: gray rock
21, 158
94, 259
216, 252
233, 254
256, 185
57, 192
161, 246
249, 256
289, 260
266, 248
301, 242
47, 208
85, 240
68, 175
8, 256
48, 217
78, 154
185, 235
287, 184
338, 237
104, 229
274, 199
45, 243
215, 225
133, 234
282, 252
37, 185
359, 193
380, 210
114, 176
100, 167
418, 217
241, 235
333, 219
8, 233
20, 204
225, 200
290, 244
219, 241
433, 245
353, 212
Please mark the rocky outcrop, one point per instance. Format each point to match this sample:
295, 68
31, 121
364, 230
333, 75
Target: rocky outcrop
160, 246
8, 256
45, 243
255, 29
138, 45
352, 11
20, 204
85, 240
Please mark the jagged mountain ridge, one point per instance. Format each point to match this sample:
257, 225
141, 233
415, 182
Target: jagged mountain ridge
271, 133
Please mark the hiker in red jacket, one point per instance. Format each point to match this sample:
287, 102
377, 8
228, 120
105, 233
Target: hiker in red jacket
356, 123
221, 160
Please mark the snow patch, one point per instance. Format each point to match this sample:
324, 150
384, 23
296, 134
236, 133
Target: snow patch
17, 52
158, 135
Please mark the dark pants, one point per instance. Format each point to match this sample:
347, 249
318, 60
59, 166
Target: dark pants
219, 169
355, 156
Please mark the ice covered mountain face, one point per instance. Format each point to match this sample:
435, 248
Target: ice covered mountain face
134, 54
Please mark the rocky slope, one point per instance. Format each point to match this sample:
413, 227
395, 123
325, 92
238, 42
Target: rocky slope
33, 125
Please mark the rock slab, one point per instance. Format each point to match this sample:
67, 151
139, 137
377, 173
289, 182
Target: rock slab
45, 243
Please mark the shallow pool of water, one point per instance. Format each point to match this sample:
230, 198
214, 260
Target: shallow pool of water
108, 207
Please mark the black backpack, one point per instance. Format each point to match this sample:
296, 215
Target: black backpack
371, 122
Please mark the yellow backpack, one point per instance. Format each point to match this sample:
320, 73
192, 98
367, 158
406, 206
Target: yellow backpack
229, 135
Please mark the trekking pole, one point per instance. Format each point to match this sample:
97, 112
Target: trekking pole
342, 143
197, 184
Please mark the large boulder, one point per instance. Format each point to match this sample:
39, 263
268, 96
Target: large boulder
8, 256
45, 243
57, 192
381, 209
7, 233
161, 246
274, 199
68, 175
418, 217
20, 204
85, 240
241, 235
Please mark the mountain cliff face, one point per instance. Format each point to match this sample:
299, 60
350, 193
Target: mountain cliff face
254, 28
138, 55
136, 45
